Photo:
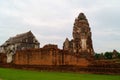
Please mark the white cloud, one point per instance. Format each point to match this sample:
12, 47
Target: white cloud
52, 21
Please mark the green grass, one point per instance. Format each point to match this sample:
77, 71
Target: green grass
13, 74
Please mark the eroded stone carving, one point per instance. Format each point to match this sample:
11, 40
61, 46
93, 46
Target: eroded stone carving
81, 42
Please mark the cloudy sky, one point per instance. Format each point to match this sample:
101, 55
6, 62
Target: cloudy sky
51, 21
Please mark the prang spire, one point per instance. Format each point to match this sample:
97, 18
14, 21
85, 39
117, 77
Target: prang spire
81, 42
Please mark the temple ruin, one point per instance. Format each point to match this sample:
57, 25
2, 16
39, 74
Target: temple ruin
19, 42
23, 52
81, 42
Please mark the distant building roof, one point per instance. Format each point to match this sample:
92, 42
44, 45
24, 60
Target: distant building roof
19, 38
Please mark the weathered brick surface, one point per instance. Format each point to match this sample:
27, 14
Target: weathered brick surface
3, 58
82, 41
46, 56
54, 59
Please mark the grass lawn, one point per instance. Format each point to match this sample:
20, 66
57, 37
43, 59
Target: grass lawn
13, 74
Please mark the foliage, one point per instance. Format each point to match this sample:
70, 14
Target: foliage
97, 56
108, 55
12, 74
119, 55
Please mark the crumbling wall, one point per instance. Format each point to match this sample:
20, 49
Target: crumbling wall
46, 56
3, 58
76, 60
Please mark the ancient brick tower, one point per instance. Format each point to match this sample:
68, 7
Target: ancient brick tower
81, 42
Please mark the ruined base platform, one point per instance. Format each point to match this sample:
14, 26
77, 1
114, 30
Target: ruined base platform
94, 69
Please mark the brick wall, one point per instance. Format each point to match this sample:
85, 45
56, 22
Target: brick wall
51, 56
3, 58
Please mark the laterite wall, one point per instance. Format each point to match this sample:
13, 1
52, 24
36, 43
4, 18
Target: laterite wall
45, 56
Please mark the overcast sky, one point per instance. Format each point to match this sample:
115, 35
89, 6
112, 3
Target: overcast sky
51, 21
